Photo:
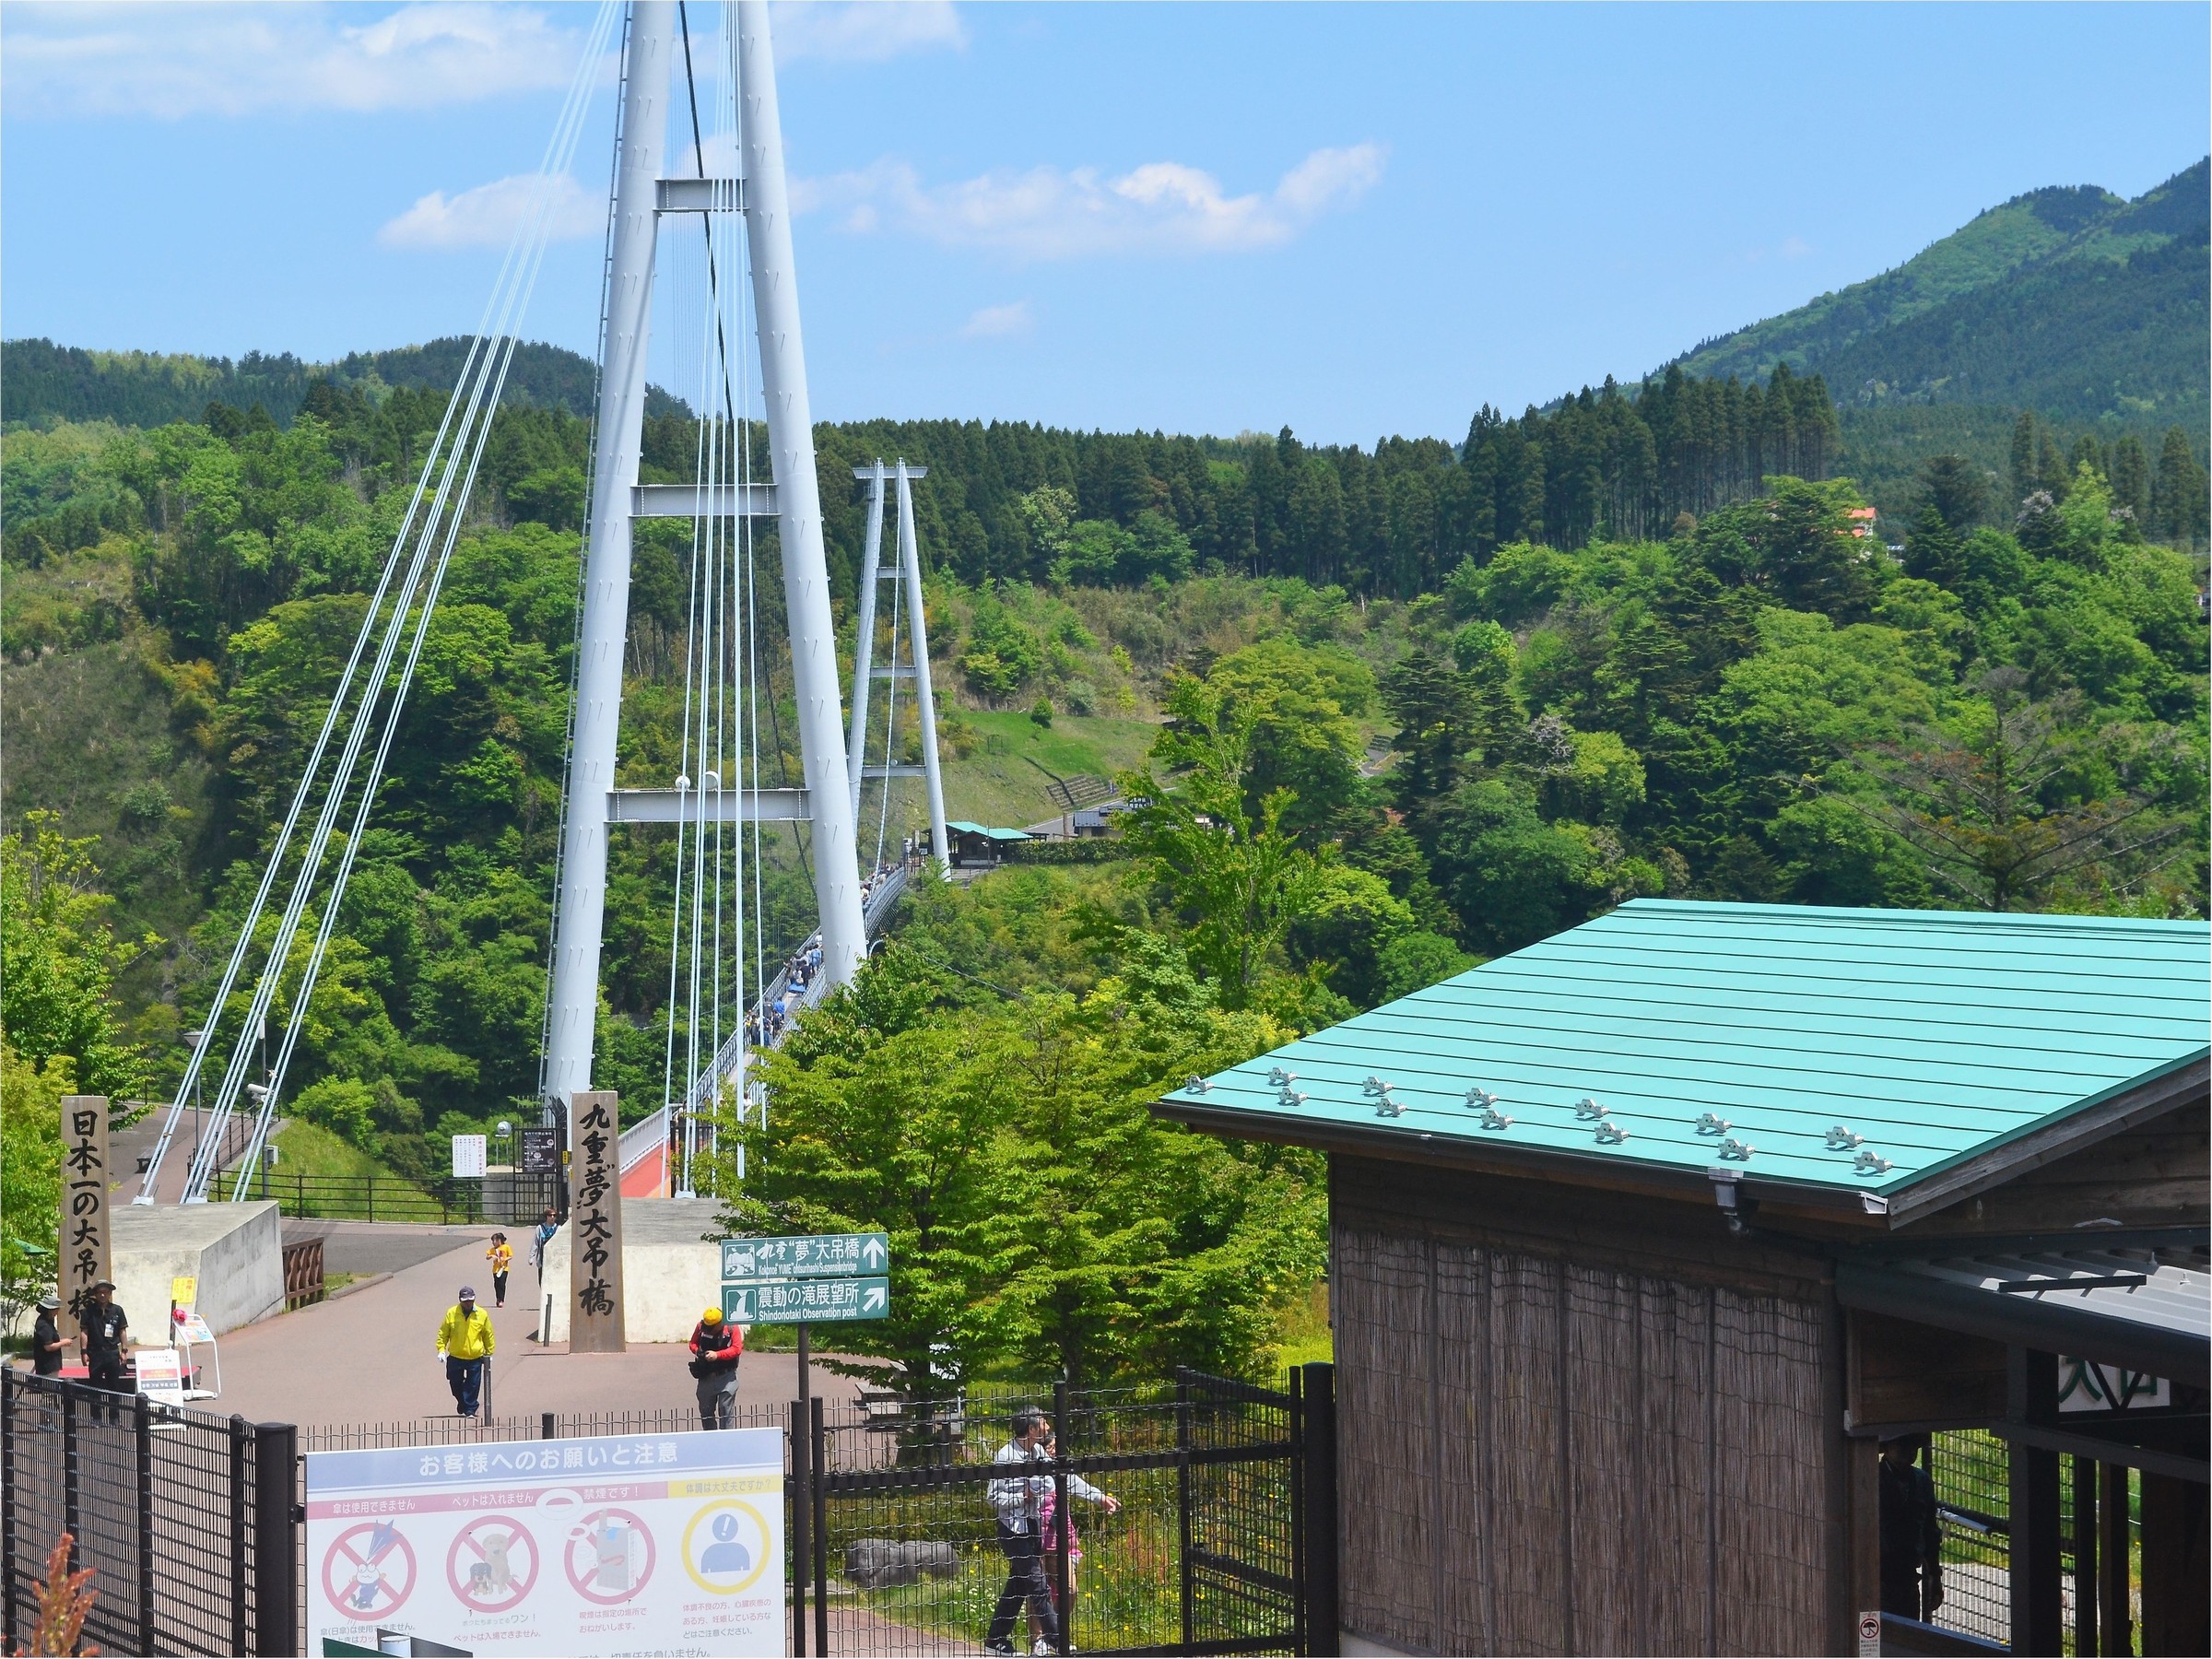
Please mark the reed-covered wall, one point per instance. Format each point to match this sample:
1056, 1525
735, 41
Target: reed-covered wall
1577, 1422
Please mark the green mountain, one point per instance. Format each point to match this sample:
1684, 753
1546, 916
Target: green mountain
2085, 307
41, 383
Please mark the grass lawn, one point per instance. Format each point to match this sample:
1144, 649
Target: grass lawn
1003, 783
304, 1149
1307, 1338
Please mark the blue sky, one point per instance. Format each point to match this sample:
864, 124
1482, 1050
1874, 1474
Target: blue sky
1351, 219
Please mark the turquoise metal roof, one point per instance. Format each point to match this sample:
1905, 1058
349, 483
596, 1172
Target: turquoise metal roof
1933, 1035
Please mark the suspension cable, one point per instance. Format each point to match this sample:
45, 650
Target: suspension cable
486, 370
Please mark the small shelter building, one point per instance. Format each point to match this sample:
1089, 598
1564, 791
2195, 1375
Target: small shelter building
977, 845
1646, 1238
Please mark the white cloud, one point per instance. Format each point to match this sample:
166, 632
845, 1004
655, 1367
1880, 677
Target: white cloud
1048, 213
488, 216
178, 59
863, 33
1000, 321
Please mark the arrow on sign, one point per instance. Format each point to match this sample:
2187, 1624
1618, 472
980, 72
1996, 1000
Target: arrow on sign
875, 1300
874, 1254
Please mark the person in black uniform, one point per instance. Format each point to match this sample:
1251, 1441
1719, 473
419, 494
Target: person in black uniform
46, 1343
1912, 1532
106, 1330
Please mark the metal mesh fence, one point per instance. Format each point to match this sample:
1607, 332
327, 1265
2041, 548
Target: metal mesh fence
161, 1501
1201, 1552
1972, 1471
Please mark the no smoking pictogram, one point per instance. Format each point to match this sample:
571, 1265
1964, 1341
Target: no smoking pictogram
609, 1556
492, 1563
369, 1571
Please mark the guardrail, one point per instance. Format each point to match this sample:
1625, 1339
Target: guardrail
640, 1140
445, 1201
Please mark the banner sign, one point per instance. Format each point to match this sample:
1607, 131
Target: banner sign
808, 1255
596, 1225
541, 1150
620, 1544
469, 1159
87, 1236
791, 1301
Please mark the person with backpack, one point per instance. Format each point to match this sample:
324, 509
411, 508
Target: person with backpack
716, 1347
1018, 1497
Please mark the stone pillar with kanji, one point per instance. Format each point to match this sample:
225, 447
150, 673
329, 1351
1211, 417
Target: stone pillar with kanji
87, 1240
595, 1224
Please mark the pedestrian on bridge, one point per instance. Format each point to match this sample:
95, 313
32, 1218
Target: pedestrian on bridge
716, 1347
465, 1343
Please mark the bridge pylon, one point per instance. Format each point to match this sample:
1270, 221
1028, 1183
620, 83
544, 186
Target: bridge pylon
644, 198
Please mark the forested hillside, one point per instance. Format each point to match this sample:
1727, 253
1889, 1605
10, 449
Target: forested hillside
1390, 709
44, 382
2075, 303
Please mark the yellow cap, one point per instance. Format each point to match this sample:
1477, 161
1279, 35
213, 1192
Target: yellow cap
711, 1317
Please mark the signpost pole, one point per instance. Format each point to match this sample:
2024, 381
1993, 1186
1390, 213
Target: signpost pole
802, 1511
815, 1462
805, 1366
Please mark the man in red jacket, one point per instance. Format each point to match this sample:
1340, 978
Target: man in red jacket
716, 1344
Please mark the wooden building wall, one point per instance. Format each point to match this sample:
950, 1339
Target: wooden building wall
1580, 1422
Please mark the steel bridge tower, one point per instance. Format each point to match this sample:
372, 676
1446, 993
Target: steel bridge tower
643, 196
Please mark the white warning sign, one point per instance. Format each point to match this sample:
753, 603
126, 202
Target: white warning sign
661, 1544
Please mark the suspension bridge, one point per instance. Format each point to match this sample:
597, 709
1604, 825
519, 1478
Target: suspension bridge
705, 230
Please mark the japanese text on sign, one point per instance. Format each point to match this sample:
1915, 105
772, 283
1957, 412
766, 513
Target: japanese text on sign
788, 1302
595, 1218
86, 1239
809, 1255
653, 1544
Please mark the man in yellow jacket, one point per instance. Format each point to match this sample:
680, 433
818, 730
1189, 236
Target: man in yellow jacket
465, 1343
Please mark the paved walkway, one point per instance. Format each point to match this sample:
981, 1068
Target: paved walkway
370, 1357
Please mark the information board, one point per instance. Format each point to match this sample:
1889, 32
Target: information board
655, 1544
160, 1373
469, 1159
541, 1150
807, 1256
791, 1301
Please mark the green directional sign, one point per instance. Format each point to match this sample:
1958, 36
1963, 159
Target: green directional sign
807, 1256
807, 1301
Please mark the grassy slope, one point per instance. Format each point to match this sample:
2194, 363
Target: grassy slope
304, 1149
1000, 783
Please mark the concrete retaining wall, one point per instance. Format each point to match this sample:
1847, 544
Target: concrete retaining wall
236, 1250
670, 1273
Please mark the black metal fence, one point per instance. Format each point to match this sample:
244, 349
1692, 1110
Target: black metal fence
1221, 1501
167, 1508
2101, 1545
1223, 1541
445, 1201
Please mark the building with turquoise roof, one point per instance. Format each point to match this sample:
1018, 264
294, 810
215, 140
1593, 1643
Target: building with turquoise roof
1644, 1237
